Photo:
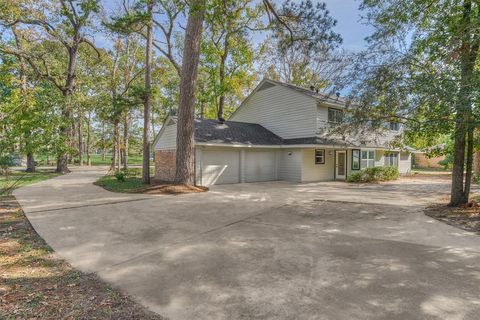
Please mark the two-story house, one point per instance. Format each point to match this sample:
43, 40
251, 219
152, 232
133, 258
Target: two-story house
279, 132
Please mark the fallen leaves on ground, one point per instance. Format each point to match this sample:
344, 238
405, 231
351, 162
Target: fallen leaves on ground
165, 188
466, 217
36, 284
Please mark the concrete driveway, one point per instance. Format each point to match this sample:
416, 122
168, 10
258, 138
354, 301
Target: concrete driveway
267, 250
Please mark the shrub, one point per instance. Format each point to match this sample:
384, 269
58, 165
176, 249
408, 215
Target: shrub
123, 174
374, 174
447, 163
6, 161
120, 175
355, 176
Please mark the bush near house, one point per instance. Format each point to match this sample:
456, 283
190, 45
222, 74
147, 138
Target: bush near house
374, 174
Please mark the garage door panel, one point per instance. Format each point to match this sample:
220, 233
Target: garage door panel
220, 167
260, 166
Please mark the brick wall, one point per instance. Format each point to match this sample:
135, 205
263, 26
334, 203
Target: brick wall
165, 165
422, 161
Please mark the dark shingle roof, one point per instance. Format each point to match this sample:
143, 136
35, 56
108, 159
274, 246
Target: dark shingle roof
233, 132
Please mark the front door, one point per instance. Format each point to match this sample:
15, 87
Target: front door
340, 165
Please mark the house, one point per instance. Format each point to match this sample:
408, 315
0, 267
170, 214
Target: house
279, 132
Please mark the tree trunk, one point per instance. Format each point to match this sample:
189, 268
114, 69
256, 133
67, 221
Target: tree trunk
119, 149
113, 166
185, 163
463, 106
477, 163
80, 137
30, 162
147, 99
62, 157
125, 141
103, 141
89, 156
469, 166
24, 86
221, 102
66, 130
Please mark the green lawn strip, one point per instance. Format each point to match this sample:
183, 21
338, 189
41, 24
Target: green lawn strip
36, 284
20, 178
430, 170
97, 160
132, 183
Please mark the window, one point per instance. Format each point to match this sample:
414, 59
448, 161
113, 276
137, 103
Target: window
335, 115
391, 159
394, 126
355, 159
319, 156
368, 159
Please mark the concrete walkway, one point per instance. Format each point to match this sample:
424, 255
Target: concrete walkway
267, 250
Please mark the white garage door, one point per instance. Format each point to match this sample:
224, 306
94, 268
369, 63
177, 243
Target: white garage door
259, 166
220, 167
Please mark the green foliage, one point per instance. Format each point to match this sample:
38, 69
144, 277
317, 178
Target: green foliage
6, 161
374, 174
133, 182
18, 179
120, 175
447, 163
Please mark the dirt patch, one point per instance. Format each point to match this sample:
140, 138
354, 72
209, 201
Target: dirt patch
465, 217
165, 188
36, 284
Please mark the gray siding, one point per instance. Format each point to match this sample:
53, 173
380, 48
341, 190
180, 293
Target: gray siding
168, 139
289, 165
317, 172
283, 111
405, 163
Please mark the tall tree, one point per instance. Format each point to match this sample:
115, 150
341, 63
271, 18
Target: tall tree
421, 69
185, 166
59, 21
227, 51
148, 96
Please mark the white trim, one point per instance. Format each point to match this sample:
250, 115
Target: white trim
345, 165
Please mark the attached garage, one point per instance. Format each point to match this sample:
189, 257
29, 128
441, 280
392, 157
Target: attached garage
260, 166
219, 166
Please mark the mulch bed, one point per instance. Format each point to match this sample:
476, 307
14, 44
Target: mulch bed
466, 217
36, 284
159, 187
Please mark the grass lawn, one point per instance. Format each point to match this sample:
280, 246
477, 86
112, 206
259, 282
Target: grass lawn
97, 159
431, 170
132, 160
35, 284
132, 182
20, 178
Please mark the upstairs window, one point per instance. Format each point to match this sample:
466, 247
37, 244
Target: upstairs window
394, 126
319, 156
335, 115
368, 159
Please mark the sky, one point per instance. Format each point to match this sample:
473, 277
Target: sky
348, 16
346, 13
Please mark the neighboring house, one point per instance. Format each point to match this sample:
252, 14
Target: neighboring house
279, 132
